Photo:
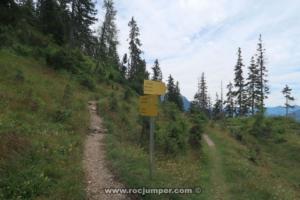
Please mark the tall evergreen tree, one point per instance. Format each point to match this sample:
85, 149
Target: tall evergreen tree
82, 16
262, 74
179, 101
217, 108
9, 11
173, 93
201, 97
157, 74
229, 103
252, 87
137, 66
49, 19
288, 98
107, 49
239, 84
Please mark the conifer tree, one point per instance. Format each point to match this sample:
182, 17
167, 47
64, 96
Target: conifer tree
239, 84
252, 87
288, 98
173, 93
82, 16
157, 74
229, 103
217, 108
262, 75
136, 66
201, 97
49, 19
107, 50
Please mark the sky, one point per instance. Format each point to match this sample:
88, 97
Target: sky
189, 37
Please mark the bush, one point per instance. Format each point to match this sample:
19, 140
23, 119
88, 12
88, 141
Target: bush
172, 130
88, 82
62, 115
195, 133
19, 76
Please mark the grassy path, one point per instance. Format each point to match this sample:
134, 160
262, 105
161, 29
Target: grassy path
218, 188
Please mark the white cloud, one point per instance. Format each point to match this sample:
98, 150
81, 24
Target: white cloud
194, 36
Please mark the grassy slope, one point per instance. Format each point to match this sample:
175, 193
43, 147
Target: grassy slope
40, 158
275, 174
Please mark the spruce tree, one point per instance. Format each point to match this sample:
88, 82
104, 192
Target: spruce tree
157, 74
49, 19
82, 16
229, 103
136, 66
239, 84
262, 75
217, 108
178, 97
173, 93
288, 98
201, 96
107, 49
252, 87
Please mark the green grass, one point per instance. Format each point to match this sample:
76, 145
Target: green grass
274, 175
40, 147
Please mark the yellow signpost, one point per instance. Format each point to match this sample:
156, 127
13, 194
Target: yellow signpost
149, 107
154, 87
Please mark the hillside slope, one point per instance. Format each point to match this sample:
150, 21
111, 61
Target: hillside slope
43, 120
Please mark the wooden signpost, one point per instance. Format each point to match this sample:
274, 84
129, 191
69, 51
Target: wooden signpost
149, 107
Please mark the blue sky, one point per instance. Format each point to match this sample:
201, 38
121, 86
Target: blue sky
194, 36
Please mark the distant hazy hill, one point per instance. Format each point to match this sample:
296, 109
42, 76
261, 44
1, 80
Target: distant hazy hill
280, 111
186, 103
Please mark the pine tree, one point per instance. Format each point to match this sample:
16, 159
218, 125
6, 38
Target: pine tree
157, 74
136, 66
49, 19
82, 16
252, 87
107, 49
173, 93
239, 84
262, 74
179, 101
217, 108
201, 96
9, 12
288, 98
229, 103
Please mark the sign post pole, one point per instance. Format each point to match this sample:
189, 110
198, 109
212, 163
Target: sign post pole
149, 107
151, 146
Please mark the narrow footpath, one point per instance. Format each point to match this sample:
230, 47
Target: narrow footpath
98, 176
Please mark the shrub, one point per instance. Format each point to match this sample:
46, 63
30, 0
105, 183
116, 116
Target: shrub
88, 82
19, 76
195, 133
62, 115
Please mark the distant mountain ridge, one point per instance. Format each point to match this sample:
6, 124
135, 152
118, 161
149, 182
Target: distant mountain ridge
280, 111
186, 103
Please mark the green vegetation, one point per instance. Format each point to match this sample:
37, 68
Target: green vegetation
51, 68
42, 125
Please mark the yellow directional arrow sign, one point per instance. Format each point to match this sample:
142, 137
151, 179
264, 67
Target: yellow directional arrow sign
154, 87
148, 105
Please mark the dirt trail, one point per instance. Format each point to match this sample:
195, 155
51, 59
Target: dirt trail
219, 187
208, 140
98, 176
